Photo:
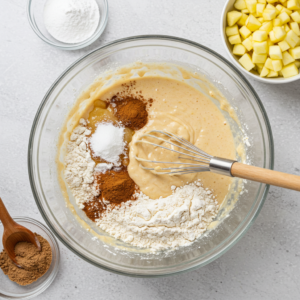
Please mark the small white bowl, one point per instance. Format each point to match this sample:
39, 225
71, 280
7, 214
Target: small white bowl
35, 9
228, 7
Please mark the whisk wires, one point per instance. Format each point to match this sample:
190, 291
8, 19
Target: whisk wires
199, 159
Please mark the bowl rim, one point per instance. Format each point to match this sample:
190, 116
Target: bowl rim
76, 46
41, 288
256, 77
161, 38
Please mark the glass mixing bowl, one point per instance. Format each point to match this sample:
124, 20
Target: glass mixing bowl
123, 258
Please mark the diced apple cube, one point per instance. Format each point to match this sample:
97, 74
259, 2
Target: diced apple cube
251, 6
245, 32
284, 17
295, 27
287, 58
252, 23
283, 46
246, 62
279, 33
264, 72
259, 58
269, 14
240, 4
273, 38
266, 26
269, 64
261, 20
295, 52
232, 30
239, 49
297, 63
277, 65
260, 36
248, 44
292, 39
296, 16
242, 21
290, 70
289, 12
260, 9
275, 52
279, 7
233, 17
272, 74
293, 5
235, 39
262, 1
260, 47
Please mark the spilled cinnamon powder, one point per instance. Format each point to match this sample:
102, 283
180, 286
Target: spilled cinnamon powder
35, 263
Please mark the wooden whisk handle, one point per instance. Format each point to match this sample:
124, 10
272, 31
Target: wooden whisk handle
276, 178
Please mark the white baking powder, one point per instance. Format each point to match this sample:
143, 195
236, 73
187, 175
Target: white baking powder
108, 142
71, 21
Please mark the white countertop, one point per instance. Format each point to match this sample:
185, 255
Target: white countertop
264, 264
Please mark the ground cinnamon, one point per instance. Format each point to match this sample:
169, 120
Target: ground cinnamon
35, 263
115, 186
130, 111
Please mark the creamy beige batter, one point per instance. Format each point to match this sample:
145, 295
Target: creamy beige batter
183, 104
185, 111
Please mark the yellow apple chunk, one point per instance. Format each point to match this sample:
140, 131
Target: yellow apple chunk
233, 17
275, 52
246, 62
235, 39
287, 58
290, 70
232, 30
239, 49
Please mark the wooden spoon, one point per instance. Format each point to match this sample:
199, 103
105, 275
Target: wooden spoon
14, 233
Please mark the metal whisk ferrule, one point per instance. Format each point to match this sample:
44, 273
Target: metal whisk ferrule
200, 160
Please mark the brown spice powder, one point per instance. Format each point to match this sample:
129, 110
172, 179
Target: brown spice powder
130, 111
35, 263
115, 186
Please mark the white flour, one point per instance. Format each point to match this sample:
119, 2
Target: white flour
164, 223
79, 166
71, 21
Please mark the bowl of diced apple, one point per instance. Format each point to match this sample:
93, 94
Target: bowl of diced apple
263, 38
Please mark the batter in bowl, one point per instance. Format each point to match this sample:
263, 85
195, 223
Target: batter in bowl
163, 211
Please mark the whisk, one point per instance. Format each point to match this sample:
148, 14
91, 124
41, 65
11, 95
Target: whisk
194, 160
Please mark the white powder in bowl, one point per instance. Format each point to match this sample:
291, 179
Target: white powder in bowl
71, 21
108, 142
171, 222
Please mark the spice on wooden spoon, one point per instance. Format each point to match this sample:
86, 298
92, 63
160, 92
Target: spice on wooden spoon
14, 233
